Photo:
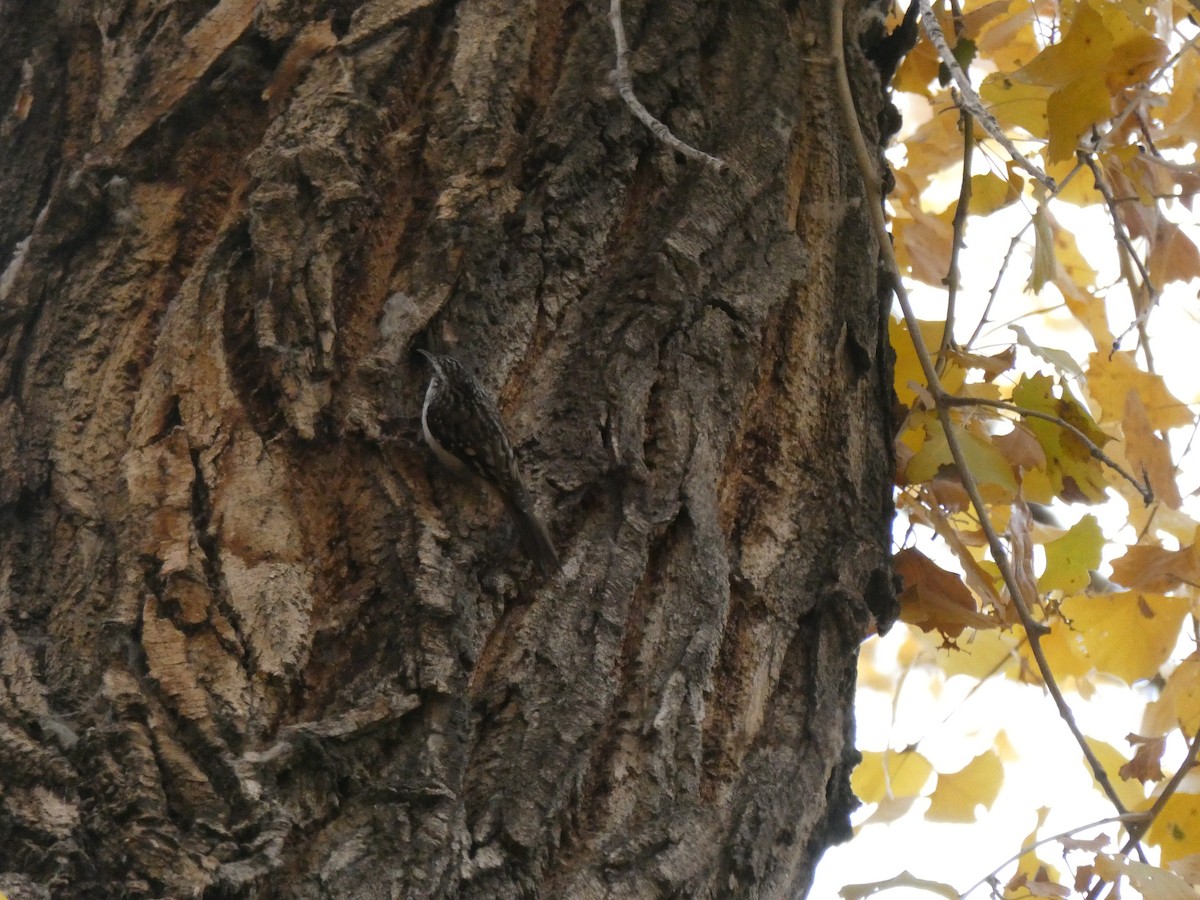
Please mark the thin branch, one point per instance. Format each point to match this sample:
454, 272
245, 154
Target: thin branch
1144, 820
1114, 126
1182, 195
1142, 488
1012, 246
1127, 817
995, 292
1126, 243
874, 202
1119, 230
1136, 101
624, 82
969, 100
961, 213
1148, 817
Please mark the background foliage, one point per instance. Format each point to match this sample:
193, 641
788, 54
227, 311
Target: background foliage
1064, 325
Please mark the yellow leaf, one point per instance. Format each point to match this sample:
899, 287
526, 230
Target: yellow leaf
1136, 51
1082, 53
1130, 792
1021, 449
1030, 869
940, 143
1070, 558
990, 192
1075, 475
1152, 882
957, 796
1179, 703
1149, 454
1129, 635
1089, 310
990, 366
1009, 41
1044, 264
934, 599
1112, 377
978, 656
1072, 111
1062, 653
1101, 53
923, 241
1173, 256
1182, 113
987, 464
1036, 486
896, 773
1017, 104
908, 368
1066, 253
1154, 568
1080, 190
918, 70
1177, 829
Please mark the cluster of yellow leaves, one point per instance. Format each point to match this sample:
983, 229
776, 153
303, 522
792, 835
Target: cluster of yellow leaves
1054, 96
894, 780
1103, 95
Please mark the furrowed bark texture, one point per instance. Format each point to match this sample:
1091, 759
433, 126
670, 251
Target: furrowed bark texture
254, 641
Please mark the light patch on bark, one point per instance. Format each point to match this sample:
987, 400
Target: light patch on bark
167, 660
272, 602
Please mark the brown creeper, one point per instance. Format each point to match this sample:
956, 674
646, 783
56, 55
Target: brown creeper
462, 426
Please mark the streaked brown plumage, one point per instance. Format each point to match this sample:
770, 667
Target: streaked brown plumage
463, 427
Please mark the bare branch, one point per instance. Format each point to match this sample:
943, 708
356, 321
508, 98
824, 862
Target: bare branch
969, 100
1016, 240
1144, 820
961, 213
1115, 124
874, 202
1121, 234
624, 82
1033, 845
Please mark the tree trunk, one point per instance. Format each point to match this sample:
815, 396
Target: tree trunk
256, 641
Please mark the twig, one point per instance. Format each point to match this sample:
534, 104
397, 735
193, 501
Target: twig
1114, 127
1012, 246
995, 292
961, 212
1115, 124
1147, 818
969, 100
624, 82
1122, 236
1144, 820
1127, 817
874, 202
1142, 488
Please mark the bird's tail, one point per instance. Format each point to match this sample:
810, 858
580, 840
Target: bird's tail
535, 541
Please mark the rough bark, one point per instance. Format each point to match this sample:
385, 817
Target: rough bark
255, 642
